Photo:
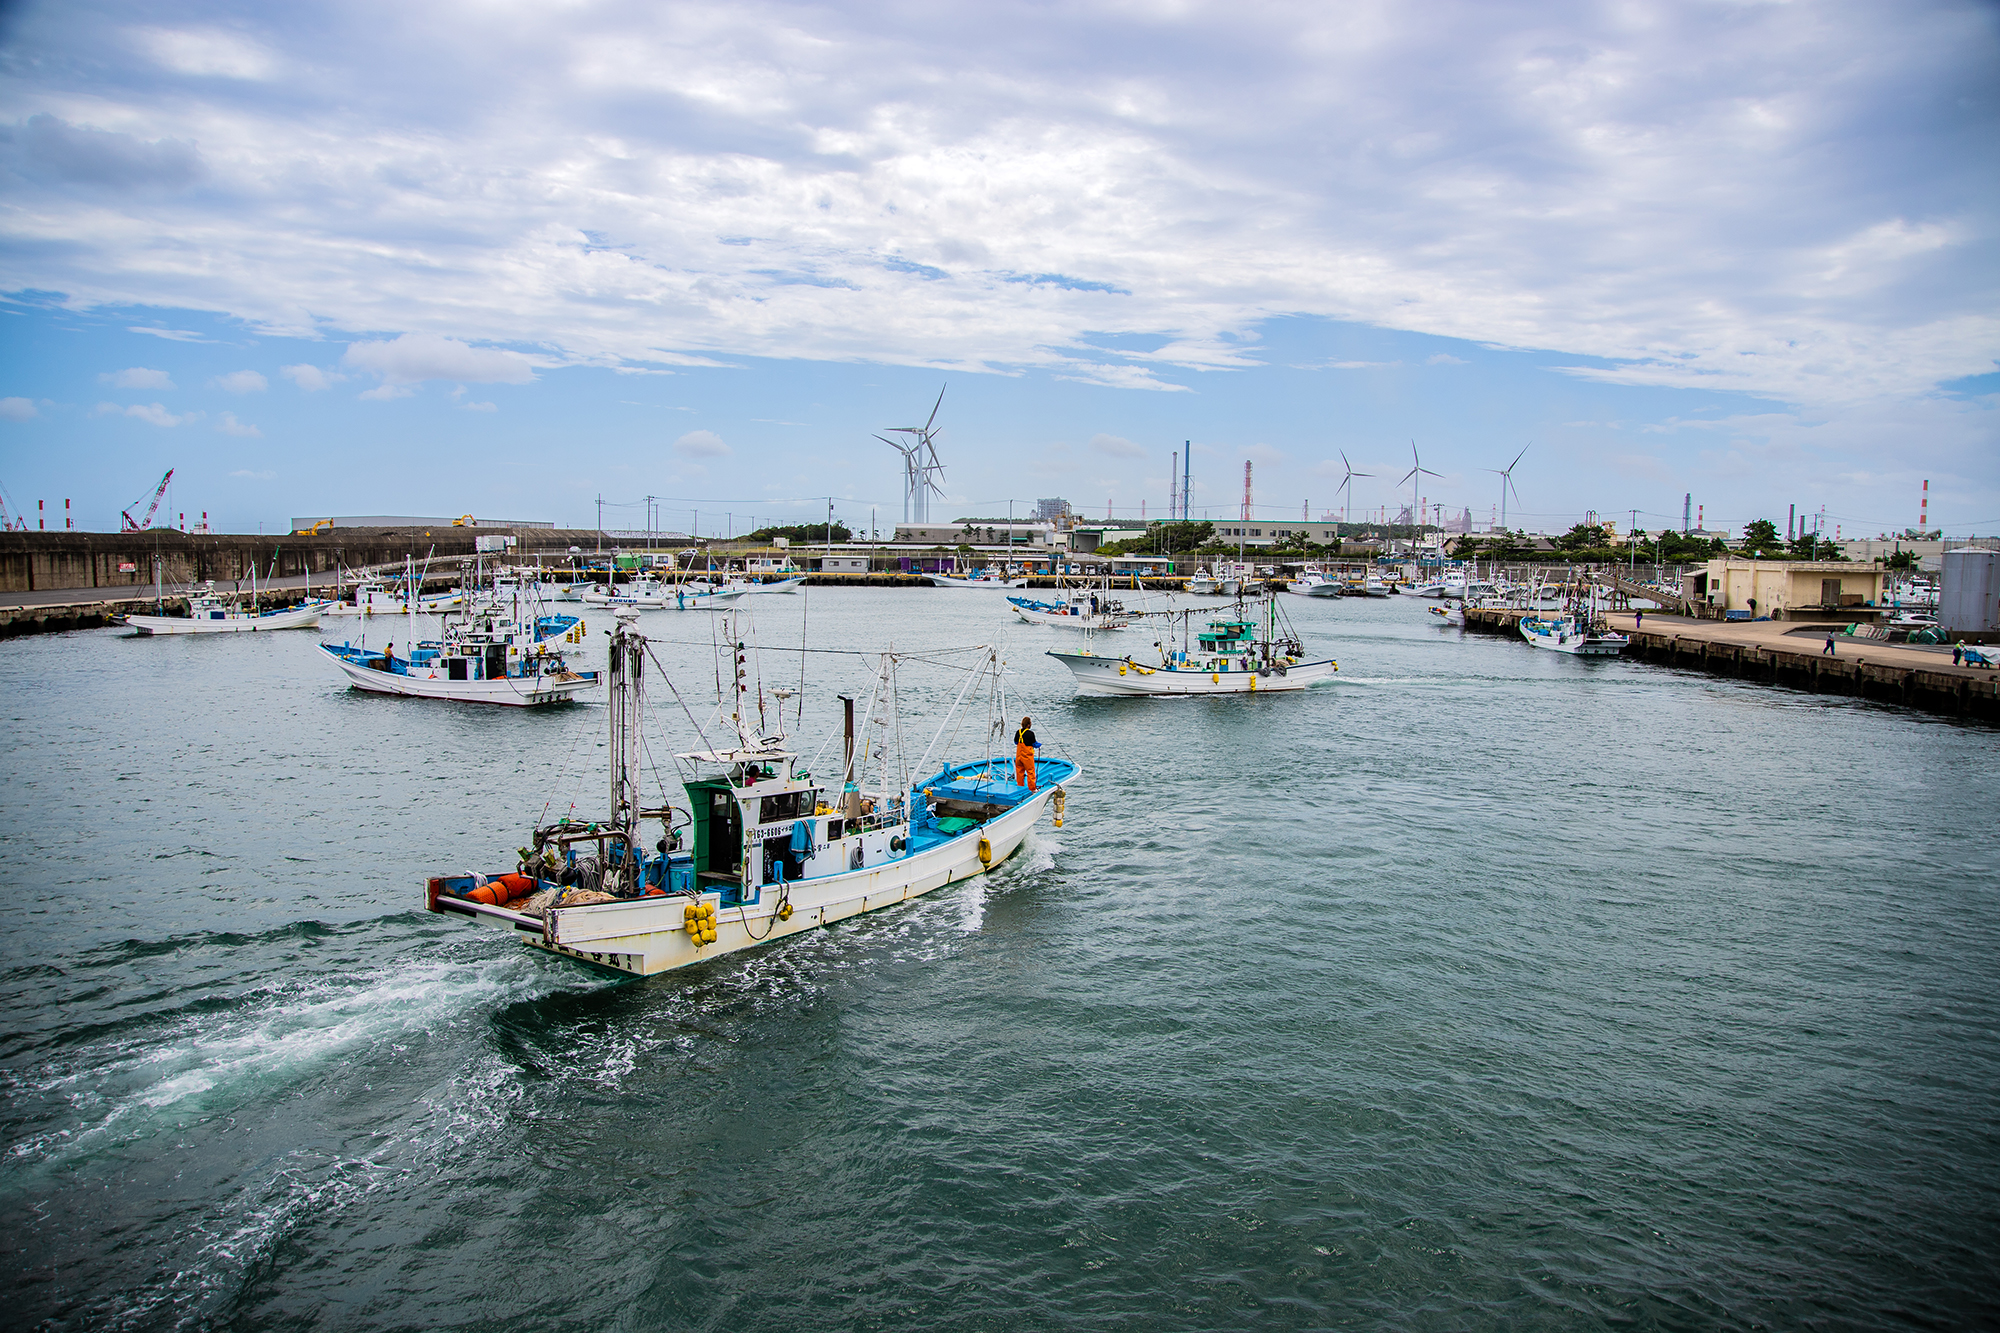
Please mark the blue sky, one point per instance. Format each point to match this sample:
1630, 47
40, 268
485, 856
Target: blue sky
503, 259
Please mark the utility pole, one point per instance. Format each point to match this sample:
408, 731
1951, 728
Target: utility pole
1187, 472
1632, 537
600, 522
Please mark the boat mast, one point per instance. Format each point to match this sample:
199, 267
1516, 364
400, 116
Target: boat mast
627, 676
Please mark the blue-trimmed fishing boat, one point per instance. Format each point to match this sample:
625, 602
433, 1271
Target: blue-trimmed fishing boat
760, 848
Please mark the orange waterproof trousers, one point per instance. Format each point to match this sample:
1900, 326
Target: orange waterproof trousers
1024, 766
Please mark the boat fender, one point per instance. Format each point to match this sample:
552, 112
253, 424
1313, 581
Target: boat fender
1215, 678
985, 851
784, 911
698, 919
1059, 807
1121, 668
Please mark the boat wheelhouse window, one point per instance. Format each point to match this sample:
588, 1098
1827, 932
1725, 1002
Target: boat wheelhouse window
785, 805
834, 830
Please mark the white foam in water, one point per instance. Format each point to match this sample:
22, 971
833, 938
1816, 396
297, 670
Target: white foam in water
136, 1087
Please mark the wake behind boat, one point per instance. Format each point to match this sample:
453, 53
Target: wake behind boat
762, 849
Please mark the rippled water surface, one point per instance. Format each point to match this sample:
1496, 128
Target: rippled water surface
1483, 987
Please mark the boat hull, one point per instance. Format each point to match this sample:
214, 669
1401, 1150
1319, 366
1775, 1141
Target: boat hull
1122, 676
301, 617
648, 936
1576, 645
517, 691
1083, 622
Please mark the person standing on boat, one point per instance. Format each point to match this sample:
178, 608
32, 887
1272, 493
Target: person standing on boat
1025, 746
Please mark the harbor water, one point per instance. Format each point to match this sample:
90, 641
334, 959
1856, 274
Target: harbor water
1481, 988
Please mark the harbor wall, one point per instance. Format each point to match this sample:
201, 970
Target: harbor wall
38, 561
1952, 691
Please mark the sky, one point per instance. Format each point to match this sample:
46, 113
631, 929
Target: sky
508, 259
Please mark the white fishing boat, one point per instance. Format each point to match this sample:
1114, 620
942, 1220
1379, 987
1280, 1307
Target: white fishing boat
499, 653
1204, 585
651, 594
752, 588
979, 580
211, 613
378, 598
1314, 584
1087, 611
760, 849
1575, 635
1237, 655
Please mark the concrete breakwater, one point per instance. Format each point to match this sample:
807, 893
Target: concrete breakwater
1764, 651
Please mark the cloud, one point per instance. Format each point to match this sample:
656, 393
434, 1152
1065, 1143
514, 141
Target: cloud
311, 378
206, 52
1262, 453
1445, 359
702, 444
137, 377
229, 425
383, 393
1117, 446
1643, 189
1361, 365
17, 409
254, 476
479, 407
171, 335
1119, 377
50, 151
241, 381
416, 357
152, 413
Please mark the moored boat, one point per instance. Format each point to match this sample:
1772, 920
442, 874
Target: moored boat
211, 613
1573, 635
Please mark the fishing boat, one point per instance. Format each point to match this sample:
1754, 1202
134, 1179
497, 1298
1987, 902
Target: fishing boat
758, 848
1236, 655
1204, 585
1314, 584
1577, 635
211, 613
507, 652
1083, 611
983, 579
752, 588
650, 594
376, 597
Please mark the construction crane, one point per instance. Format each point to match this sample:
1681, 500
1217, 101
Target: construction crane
130, 524
9, 521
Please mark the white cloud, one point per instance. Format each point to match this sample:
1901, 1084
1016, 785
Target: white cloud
1262, 453
1362, 365
702, 444
242, 381
152, 413
310, 378
1641, 185
171, 335
479, 407
229, 425
205, 52
382, 393
1117, 446
137, 377
1445, 359
416, 357
254, 476
17, 409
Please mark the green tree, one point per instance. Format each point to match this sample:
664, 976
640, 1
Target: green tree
803, 532
1760, 539
1585, 537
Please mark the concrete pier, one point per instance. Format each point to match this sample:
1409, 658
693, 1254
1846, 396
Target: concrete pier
1917, 676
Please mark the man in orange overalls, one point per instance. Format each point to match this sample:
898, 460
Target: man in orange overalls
1025, 746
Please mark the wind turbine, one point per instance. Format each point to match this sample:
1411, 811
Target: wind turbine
1415, 477
920, 462
1347, 483
1506, 476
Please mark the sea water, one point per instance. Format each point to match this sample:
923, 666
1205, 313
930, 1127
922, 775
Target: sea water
1482, 987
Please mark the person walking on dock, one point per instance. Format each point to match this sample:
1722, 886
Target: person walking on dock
1025, 746
1829, 652
1958, 653
1638, 620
